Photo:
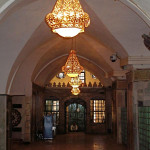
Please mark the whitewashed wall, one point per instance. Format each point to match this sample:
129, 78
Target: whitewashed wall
4, 4
144, 5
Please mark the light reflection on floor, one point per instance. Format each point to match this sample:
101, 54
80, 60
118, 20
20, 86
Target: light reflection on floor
73, 141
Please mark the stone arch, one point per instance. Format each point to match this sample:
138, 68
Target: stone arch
75, 100
99, 31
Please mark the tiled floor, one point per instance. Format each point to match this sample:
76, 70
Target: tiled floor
73, 141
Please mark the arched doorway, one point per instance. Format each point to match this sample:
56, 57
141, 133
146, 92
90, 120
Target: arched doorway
75, 114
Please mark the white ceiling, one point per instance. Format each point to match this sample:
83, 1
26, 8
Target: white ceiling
29, 50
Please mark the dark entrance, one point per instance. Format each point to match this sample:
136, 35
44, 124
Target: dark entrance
75, 114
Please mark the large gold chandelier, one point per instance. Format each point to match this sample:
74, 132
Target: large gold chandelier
68, 18
72, 67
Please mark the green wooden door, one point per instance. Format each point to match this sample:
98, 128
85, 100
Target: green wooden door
76, 114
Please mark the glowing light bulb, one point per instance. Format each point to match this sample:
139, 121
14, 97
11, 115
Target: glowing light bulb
68, 32
68, 18
75, 91
71, 13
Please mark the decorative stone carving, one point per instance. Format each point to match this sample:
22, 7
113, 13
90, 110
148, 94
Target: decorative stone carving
146, 40
59, 84
90, 84
16, 117
54, 84
94, 85
141, 75
63, 85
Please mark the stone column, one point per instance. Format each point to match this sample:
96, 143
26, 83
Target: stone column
109, 110
33, 129
5, 122
27, 131
88, 115
62, 118
119, 102
138, 91
130, 134
114, 114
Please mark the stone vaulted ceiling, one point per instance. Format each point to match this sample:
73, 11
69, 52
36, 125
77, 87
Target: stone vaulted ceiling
32, 53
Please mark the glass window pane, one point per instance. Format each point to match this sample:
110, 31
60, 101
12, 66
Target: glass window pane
48, 108
52, 106
57, 108
97, 108
54, 102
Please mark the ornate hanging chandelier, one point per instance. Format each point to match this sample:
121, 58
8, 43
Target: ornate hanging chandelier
75, 91
72, 67
68, 18
75, 82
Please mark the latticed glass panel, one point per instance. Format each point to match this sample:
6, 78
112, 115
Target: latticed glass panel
76, 114
97, 111
48, 102
124, 125
52, 106
82, 77
48, 107
144, 128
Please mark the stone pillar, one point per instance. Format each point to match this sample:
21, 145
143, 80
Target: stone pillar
138, 91
33, 129
114, 114
62, 118
130, 134
9, 122
109, 110
27, 131
5, 122
118, 102
38, 109
88, 115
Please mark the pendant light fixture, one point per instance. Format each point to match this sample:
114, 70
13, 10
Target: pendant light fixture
75, 82
75, 91
72, 67
68, 18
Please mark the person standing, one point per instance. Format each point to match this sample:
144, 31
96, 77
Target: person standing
48, 125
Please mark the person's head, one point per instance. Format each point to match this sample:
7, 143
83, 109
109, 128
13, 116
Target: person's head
49, 113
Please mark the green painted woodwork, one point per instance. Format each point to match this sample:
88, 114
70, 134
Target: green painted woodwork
144, 128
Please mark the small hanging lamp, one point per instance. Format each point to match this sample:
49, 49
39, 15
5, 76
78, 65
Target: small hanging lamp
68, 18
72, 67
75, 91
75, 82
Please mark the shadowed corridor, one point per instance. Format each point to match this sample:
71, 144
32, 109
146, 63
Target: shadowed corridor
73, 141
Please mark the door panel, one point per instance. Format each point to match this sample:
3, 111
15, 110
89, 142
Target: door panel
76, 114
